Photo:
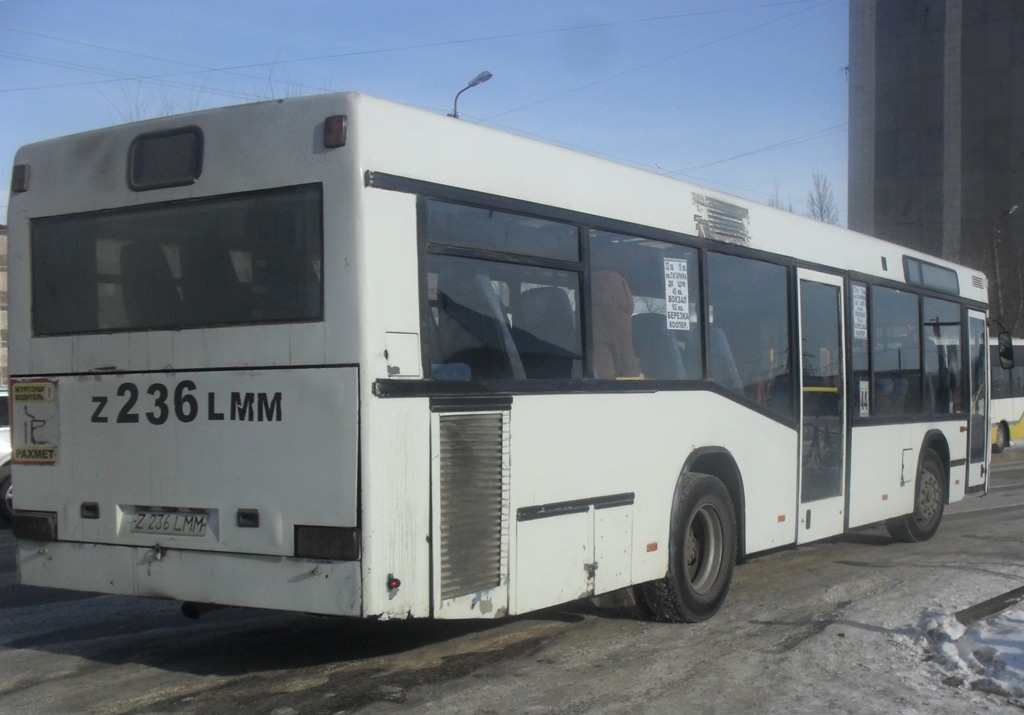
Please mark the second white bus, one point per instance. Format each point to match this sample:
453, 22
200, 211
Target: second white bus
1007, 397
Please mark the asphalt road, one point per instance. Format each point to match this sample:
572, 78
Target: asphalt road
832, 625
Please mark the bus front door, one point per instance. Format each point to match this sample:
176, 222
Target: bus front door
822, 407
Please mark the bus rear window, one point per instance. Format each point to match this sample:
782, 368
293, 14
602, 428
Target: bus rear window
247, 258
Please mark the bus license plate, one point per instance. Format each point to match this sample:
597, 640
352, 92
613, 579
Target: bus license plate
176, 523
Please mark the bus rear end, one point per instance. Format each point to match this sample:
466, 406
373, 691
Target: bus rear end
185, 417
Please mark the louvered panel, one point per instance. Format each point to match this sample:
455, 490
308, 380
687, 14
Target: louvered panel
473, 508
721, 221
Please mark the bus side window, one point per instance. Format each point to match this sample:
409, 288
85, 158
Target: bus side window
645, 317
748, 339
896, 352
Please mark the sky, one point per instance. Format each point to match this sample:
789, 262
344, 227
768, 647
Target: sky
749, 97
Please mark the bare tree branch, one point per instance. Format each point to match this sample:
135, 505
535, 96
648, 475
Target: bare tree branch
820, 201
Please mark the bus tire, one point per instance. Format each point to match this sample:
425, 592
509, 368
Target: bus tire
6, 495
1002, 438
701, 553
929, 502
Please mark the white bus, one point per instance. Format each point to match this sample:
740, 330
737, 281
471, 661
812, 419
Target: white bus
1007, 397
342, 356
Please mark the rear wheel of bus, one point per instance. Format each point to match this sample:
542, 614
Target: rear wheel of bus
702, 553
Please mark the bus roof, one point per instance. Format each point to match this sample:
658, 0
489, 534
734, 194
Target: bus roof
403, 141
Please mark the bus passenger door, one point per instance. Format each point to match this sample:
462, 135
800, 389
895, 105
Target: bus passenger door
822, 495
978, 431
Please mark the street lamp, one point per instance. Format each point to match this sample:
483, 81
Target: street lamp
996, 245
479, 79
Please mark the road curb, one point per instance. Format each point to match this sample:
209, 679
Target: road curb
992, 606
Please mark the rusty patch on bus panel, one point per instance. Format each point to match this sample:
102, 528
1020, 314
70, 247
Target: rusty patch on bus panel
720, 220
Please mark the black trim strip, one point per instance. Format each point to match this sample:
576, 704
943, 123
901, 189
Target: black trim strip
484, 403
435, 389
975, 489
575, 506
957, 462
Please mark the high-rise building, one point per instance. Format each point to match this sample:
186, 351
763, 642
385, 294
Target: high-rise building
937, 134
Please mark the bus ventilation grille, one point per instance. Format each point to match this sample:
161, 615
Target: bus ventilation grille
721, 221
474, 502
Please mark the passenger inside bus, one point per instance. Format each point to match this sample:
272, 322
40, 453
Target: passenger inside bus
614, 356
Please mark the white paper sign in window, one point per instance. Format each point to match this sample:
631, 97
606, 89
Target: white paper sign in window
860, 312
677, 294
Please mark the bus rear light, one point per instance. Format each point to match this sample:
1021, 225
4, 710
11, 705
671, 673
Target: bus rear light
335, 131
19, 179
326, 542
393, 583
35, 525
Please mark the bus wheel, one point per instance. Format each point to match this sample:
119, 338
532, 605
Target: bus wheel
929, 501
6, 495
1002, 438
701, 553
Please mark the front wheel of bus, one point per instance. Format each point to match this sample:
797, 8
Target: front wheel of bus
701, 553
929, 503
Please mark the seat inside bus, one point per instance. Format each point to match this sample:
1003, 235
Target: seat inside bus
472, 329
656, 348
149, 292
546, 335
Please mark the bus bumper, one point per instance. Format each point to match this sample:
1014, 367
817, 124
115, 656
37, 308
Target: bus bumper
253, 581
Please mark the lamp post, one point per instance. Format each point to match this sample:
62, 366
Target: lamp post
996, 246
479, 79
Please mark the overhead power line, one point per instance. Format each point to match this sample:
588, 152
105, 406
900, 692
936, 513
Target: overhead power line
662, 60
234, 69
819, 134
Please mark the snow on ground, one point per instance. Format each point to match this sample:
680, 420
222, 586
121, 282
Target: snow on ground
987, 656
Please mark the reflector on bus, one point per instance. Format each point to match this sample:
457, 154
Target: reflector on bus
19, 179
335, 131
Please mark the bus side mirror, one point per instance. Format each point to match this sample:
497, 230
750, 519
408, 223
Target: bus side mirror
1005, 350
